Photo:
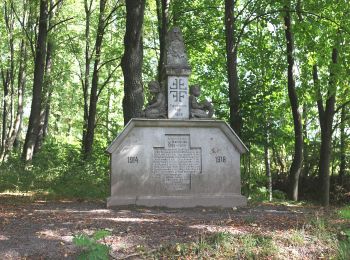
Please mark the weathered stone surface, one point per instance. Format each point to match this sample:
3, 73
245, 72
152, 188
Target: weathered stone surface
202, 109
178, 106
156, 108
176, 163
177, 71
176, 58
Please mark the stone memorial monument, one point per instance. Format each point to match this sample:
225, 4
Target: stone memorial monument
180, 161
177, 71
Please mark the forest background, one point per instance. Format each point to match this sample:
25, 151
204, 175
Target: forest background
74, 72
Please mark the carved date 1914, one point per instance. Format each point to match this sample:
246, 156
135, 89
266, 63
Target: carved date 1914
133, 159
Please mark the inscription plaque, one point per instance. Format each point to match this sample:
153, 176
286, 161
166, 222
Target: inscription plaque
178, 106
176, 182
175, 163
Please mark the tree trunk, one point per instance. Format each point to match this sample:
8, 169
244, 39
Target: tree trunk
47, 86
5, 83
8, 82
306, 167
232, 74
21, 81
39, 67
296, 166
324, 162
108, 119
45, 101
342, 166
163, 23
90, 131
132, 60
268, 164
86, 81
326, 116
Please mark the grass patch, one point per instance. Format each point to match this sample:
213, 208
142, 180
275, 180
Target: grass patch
222, 245
344, 250
344, 238
296, 237
345, 213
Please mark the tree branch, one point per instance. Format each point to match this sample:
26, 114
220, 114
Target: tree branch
341, 106
247, 22
107, 80
115, 8
60, 22
243, 8
31, 43
108, 61
54, 5
337, 124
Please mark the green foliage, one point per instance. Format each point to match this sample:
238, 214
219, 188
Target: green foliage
92, 248
254, 186
253, 246
344, 243
344, 250
279, 195
296, 237
323, 232
345, 213
264, 104
59, 170
222, 245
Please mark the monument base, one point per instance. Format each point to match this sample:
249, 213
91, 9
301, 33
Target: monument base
187, 201
176, 164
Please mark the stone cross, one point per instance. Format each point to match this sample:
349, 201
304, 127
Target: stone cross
177, 71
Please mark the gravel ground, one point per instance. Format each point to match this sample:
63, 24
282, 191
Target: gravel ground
45, 229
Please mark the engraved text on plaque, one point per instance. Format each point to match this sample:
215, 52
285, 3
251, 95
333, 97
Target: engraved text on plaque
175, 163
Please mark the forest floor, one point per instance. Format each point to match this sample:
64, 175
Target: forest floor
32, 228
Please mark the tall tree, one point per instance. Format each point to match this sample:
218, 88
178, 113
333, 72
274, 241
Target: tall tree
296, 166
96, 59
8, 78
342, 166
132, 60
326, 116
163, 24
47, 86
231, 60
268, 163
39, 68
23, 17
21, 82
85, 79
90, 131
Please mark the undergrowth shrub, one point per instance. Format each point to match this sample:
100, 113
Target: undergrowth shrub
344, 240
60, 170
91, 247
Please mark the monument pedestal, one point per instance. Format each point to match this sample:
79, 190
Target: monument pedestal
186, 201
176, 164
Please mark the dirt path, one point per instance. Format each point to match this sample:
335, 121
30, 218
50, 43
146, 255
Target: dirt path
44, 230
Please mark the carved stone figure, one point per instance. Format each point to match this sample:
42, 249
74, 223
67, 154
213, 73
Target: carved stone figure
156, 108
202, 109
175, 49
176, 74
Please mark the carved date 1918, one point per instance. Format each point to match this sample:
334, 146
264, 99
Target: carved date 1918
133, 159
220, 159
